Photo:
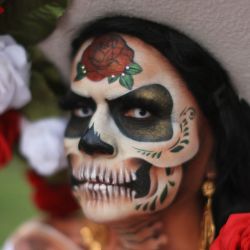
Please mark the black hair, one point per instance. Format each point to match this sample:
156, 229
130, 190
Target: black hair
228, 116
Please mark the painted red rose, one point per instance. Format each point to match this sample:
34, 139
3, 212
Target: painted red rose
54, 199
235, 234
9, 133
106, 56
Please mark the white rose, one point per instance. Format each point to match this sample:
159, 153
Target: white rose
14, 75
41, 144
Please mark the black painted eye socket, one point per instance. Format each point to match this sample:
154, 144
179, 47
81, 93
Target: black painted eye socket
82, 109
144, 114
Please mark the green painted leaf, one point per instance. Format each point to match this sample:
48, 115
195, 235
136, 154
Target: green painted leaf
158, 155
138, 206
177, 149
172, 183
80, 73
186, 134
145, 207
164, 194
112, 79
127, 81
168, 171
154, 154
133, 69
153, 204
186, 129
185, 122
185, 141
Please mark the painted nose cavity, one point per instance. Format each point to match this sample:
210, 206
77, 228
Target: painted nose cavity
91, 143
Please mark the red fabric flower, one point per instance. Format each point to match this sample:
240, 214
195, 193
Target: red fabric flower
9, 132
54, 199
106, 56
1, 10
235, 234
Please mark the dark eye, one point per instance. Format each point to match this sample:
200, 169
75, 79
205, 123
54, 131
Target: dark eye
138, 113
83, 112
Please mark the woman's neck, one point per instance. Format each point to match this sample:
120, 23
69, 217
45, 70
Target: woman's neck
173, 229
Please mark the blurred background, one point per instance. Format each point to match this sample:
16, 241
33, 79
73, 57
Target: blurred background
35, 86
15, 198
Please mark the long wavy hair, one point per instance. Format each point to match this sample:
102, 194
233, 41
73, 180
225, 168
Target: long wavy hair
229, 116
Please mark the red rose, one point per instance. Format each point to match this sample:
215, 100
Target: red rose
235, 234
106, 56
1, 10
54, 199
9, 132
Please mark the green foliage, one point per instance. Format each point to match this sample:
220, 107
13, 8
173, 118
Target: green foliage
153, 204
164, 194
30, 21
80, 72
46, 86
113, 79
150, 153
133, 69
127, 81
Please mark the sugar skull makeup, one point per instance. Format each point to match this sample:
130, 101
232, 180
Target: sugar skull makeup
133, 126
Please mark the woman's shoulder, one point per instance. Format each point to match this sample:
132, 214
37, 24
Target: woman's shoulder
37, 235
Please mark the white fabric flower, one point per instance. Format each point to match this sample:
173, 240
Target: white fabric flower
41, 144
14, 75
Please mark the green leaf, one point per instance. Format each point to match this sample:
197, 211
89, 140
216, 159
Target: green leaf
145, 207
154, 154
168, 171
50, 73
112, 79
172, 183
127, 81
31, 21
44, 102
158, 155
177, 149
164, 194
185, 141
138, 206
153, 204
80, 73
133, 69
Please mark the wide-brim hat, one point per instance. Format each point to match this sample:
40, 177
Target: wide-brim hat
221, 26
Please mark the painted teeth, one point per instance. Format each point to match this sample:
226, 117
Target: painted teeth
98, 172
106, 192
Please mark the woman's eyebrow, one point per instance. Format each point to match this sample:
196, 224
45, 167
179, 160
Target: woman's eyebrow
73, 100
153, 93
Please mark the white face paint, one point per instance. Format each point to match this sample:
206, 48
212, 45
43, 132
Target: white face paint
136, 167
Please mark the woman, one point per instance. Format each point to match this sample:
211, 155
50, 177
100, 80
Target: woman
154, 119
147, 100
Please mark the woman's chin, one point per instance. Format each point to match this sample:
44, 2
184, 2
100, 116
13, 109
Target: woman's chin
101, 211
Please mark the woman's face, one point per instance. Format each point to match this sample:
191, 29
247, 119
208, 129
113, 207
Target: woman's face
134, 125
